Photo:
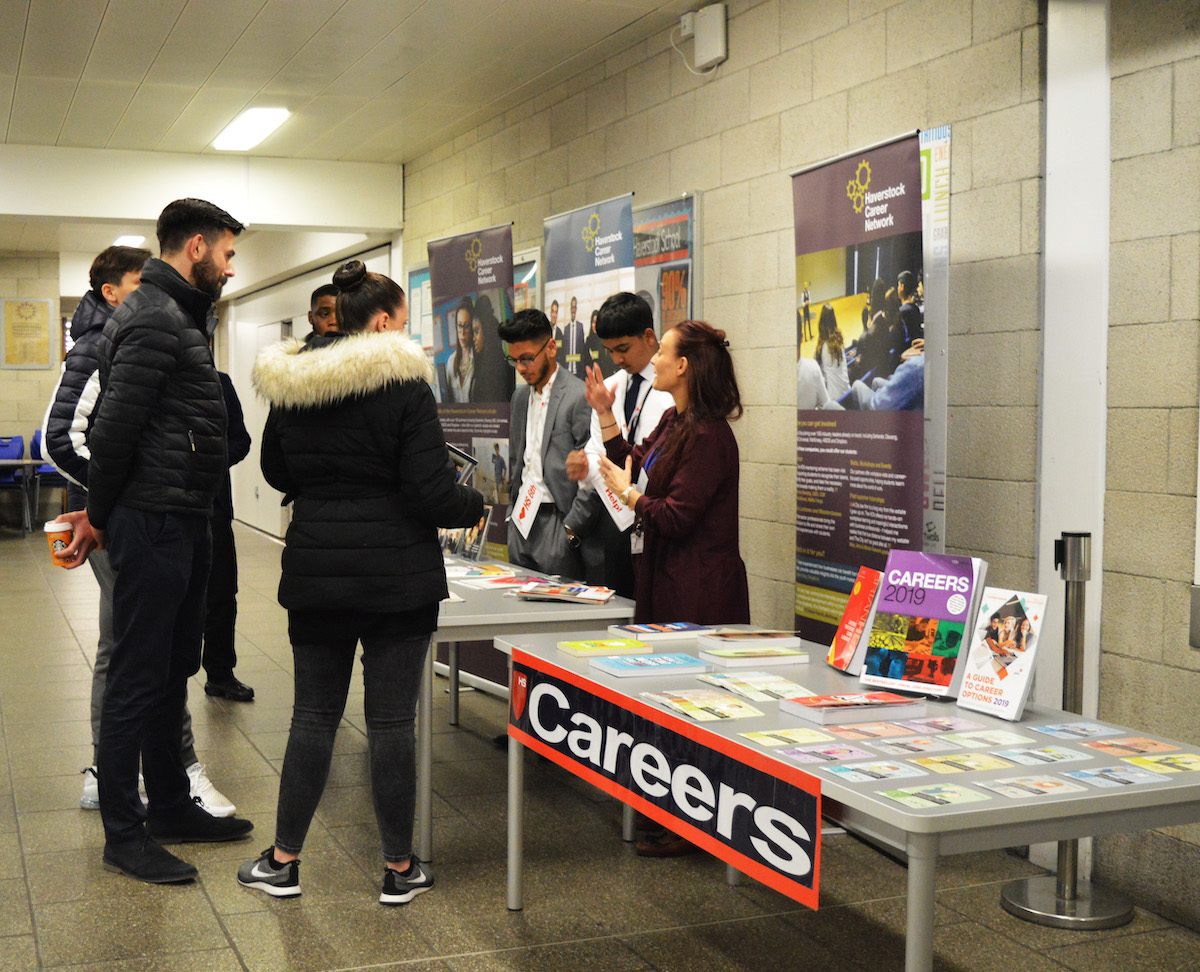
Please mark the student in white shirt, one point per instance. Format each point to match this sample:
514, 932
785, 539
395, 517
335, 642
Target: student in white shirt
625, 327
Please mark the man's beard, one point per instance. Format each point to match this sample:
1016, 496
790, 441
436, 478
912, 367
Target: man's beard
208, 278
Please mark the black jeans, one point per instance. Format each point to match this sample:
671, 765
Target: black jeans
161, 562
220, 656
323, 644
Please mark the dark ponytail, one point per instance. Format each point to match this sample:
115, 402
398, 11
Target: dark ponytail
362, 295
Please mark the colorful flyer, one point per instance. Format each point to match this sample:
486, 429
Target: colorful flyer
1110, 776
962, 762
1042, 755
1174, 763
1078, 730
941, 724
1025, 787
934, 795
870, 730
986, 737
1130, 746
825, 753
868, 772
916, 746
786, 737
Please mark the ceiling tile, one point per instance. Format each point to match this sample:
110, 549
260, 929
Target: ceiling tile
296, 136
13, 15
130, 38
38, 109
149, 116
95, 111
202, 35
270, 41
39, 236
58, 37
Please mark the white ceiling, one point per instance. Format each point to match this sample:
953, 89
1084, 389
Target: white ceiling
365, 80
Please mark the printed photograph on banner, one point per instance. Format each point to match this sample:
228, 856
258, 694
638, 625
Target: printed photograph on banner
572, 306
860, 373
663, 238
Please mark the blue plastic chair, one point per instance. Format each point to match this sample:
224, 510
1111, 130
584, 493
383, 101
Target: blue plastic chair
45, 474
13, 447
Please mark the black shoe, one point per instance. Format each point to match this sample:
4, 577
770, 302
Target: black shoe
144, 859
189, 824
230, 688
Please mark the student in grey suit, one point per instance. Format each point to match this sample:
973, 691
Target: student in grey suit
548, 514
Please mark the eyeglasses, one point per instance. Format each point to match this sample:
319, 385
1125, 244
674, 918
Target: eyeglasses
526, 360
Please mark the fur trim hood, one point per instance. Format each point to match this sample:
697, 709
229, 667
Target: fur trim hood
357, 364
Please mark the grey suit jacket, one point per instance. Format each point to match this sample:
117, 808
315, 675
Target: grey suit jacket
568, 424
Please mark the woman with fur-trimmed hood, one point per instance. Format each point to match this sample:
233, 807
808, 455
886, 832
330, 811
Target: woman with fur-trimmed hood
354, 442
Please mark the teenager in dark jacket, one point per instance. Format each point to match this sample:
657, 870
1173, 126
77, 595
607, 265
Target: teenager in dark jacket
114, 275
354, 442
157, 460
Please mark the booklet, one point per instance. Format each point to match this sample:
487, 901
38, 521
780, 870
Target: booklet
753, 657
704, 705
1024, 787
642, 665
986, 737
851, 707
940, 724
998, 672
925, 603
659, 631
756, 686
933, 795
578, 593
736, 638
604, 646
849, 645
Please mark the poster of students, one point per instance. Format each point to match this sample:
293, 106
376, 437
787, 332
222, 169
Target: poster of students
470, 293
861, 372
588, 257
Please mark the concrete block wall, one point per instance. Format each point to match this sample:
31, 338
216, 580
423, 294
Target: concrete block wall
1150, 677
24, 394
805, 80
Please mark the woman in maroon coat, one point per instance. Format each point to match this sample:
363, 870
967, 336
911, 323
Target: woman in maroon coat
687, 506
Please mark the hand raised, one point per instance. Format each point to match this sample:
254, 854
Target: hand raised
599, 395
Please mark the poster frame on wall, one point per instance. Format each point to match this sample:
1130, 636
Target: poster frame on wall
694, 199
521, 261
27, 355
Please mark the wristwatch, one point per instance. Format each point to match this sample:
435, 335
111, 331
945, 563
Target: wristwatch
624, 497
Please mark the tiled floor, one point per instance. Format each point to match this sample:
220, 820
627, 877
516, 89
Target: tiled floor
591, 903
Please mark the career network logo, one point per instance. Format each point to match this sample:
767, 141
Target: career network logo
473, 253
591, 231
856, 188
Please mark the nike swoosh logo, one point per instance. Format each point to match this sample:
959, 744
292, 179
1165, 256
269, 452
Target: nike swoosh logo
255, 872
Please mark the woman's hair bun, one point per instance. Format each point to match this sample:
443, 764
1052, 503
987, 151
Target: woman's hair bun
349, 275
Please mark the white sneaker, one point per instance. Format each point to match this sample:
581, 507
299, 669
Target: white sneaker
91, 790
207, 796
90, 800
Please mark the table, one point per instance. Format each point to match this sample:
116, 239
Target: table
28, 470
923, 835
483, 615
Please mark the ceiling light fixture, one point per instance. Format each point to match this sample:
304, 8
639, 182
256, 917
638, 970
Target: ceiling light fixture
249, 128
129, 241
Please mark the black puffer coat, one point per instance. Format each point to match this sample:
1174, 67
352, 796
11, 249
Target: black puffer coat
158, 437
65, 429
353, 438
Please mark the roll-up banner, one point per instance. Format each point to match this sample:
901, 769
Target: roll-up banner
588, 257
471, 293
665, 259
872, 249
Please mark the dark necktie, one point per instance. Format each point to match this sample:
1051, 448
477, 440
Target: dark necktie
631, 397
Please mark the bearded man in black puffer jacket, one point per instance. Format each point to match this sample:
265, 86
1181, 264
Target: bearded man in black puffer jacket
157, 461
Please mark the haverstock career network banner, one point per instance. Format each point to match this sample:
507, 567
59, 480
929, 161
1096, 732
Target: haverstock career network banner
860, 372
589, 257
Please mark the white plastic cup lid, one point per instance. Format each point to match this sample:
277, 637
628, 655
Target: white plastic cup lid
56, 526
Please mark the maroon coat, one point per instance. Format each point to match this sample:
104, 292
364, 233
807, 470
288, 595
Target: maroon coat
691, 569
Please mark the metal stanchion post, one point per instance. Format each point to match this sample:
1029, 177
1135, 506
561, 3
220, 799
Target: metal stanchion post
1063, 901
